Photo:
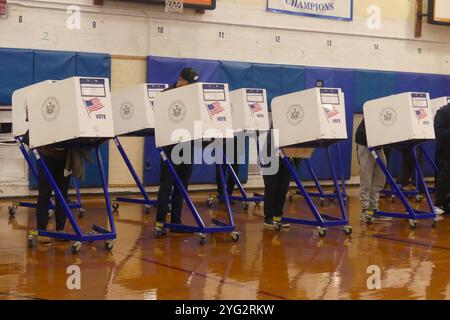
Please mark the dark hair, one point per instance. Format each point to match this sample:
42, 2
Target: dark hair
189, 74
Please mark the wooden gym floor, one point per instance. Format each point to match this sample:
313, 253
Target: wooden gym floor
293, 264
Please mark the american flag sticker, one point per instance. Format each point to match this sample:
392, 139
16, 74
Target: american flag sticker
421, 114
330, 111
93, 104
214, 108
255, 107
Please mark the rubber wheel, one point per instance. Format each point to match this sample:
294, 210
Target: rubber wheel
209, 203
115, 205
202, 239
322, 232
81, 212
109, 245
245, 206
76, 247
348, 230
12, 211
412, 224
235, 236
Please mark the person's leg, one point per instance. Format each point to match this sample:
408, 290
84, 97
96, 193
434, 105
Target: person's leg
442, 183
165, 189
63, 184
407, 170
284, 179
270, 191
378, 181
44, 194
366, 168
184, 172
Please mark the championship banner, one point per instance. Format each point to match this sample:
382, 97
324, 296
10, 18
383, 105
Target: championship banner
327, 9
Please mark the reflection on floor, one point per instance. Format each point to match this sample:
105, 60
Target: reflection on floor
292, 264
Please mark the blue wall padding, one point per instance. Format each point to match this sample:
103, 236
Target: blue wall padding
19, 68
372, 85
93, 65
54, 65
16, 71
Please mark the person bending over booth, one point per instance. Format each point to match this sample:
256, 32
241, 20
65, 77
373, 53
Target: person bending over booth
184, 171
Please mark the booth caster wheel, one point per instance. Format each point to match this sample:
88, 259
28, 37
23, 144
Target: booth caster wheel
393, 198
235, 236
51, 213
348, 230
202, 238
291, 197
419, 198
257, 203
147, 208
115, 205
209, 202
322, 231
76, 247
81, 212
31, 241
278, 226
245, 206
434, 223
12, 211
109, 245
412, 223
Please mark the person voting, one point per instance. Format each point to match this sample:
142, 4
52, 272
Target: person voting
184, 170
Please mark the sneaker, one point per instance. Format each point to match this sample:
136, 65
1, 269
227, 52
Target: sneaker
377, 217
284, 225
159, 230
366, 216
45, 241
438, 210
269, 223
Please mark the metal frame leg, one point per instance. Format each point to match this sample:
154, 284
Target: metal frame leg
146, 200
200, 228
321, 220
410, 214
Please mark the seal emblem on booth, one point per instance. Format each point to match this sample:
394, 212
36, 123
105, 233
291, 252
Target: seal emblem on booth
126, 110
177, 111
50, 109
295, 114
388, 116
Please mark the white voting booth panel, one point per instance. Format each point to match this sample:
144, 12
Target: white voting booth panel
133, 107
196, 111
249, 109
70, 109
19, 108
315, 114
438, 103
399, 118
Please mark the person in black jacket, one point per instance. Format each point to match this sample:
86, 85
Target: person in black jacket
184, 171
442, 131
372, 178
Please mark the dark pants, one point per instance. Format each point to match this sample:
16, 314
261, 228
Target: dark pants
166, 185
442, 181
234, 164
56, 168
275, 189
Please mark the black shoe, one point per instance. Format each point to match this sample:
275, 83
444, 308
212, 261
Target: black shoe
269, 223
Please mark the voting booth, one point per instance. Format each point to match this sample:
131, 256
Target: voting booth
20, 107
403, 120
196, 111
133, 111
193, 112
249, 109
438, 103
400, 118
312, 117
74, 108
75, 112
